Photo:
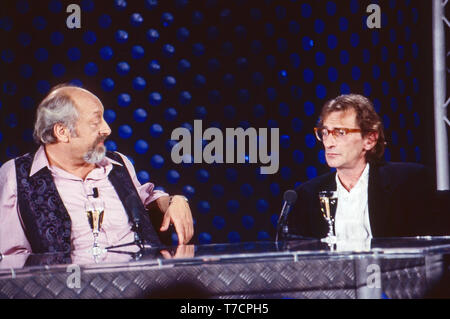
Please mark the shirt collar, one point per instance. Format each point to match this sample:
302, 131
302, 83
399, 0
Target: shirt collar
40, 161
362, 181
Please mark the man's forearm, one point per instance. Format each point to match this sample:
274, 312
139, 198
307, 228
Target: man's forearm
161, 204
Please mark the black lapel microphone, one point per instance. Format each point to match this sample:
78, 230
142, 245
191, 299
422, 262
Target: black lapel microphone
289, 197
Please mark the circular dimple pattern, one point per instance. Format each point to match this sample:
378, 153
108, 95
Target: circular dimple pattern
158, 65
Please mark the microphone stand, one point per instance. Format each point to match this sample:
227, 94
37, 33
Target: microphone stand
290, 196
282, 227
137, 242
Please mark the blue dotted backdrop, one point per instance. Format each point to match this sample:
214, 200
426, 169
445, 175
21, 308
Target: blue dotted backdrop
159, 65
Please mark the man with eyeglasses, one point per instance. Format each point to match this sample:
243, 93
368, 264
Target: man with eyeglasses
375, 198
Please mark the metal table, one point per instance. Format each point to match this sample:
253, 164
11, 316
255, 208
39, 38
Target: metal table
302, 268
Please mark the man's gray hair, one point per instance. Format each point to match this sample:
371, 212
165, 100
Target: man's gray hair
57, 108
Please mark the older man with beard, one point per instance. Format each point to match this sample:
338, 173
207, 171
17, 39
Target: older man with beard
43, 194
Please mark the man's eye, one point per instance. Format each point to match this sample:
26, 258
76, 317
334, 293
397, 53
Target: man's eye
340, 132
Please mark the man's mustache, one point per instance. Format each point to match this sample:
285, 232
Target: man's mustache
100, 139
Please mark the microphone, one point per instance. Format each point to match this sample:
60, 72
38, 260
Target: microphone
132, 204
95, 192
289, 197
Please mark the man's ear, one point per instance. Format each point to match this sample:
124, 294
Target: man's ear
370, 140
61, 133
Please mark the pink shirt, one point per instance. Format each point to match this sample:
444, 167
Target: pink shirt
73, 191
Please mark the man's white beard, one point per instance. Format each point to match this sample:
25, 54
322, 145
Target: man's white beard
95, 155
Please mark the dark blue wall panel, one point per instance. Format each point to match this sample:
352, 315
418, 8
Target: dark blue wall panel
158, 65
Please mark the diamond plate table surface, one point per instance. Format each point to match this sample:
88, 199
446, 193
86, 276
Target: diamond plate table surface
289, 274
234, 280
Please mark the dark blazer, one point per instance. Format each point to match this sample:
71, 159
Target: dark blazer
400, 195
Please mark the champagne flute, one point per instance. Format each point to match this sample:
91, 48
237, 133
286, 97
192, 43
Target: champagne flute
95, 209
328, 205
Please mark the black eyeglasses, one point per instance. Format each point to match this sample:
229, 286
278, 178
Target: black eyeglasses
336, 132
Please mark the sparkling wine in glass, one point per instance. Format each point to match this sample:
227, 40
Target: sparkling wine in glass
328, 205
95, 210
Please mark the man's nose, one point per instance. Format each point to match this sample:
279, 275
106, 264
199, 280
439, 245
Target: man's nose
105, 129
329, 141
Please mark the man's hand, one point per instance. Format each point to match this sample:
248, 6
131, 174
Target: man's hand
184, 251
179, 214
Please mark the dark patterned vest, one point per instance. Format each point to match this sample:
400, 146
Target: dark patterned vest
45, 218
